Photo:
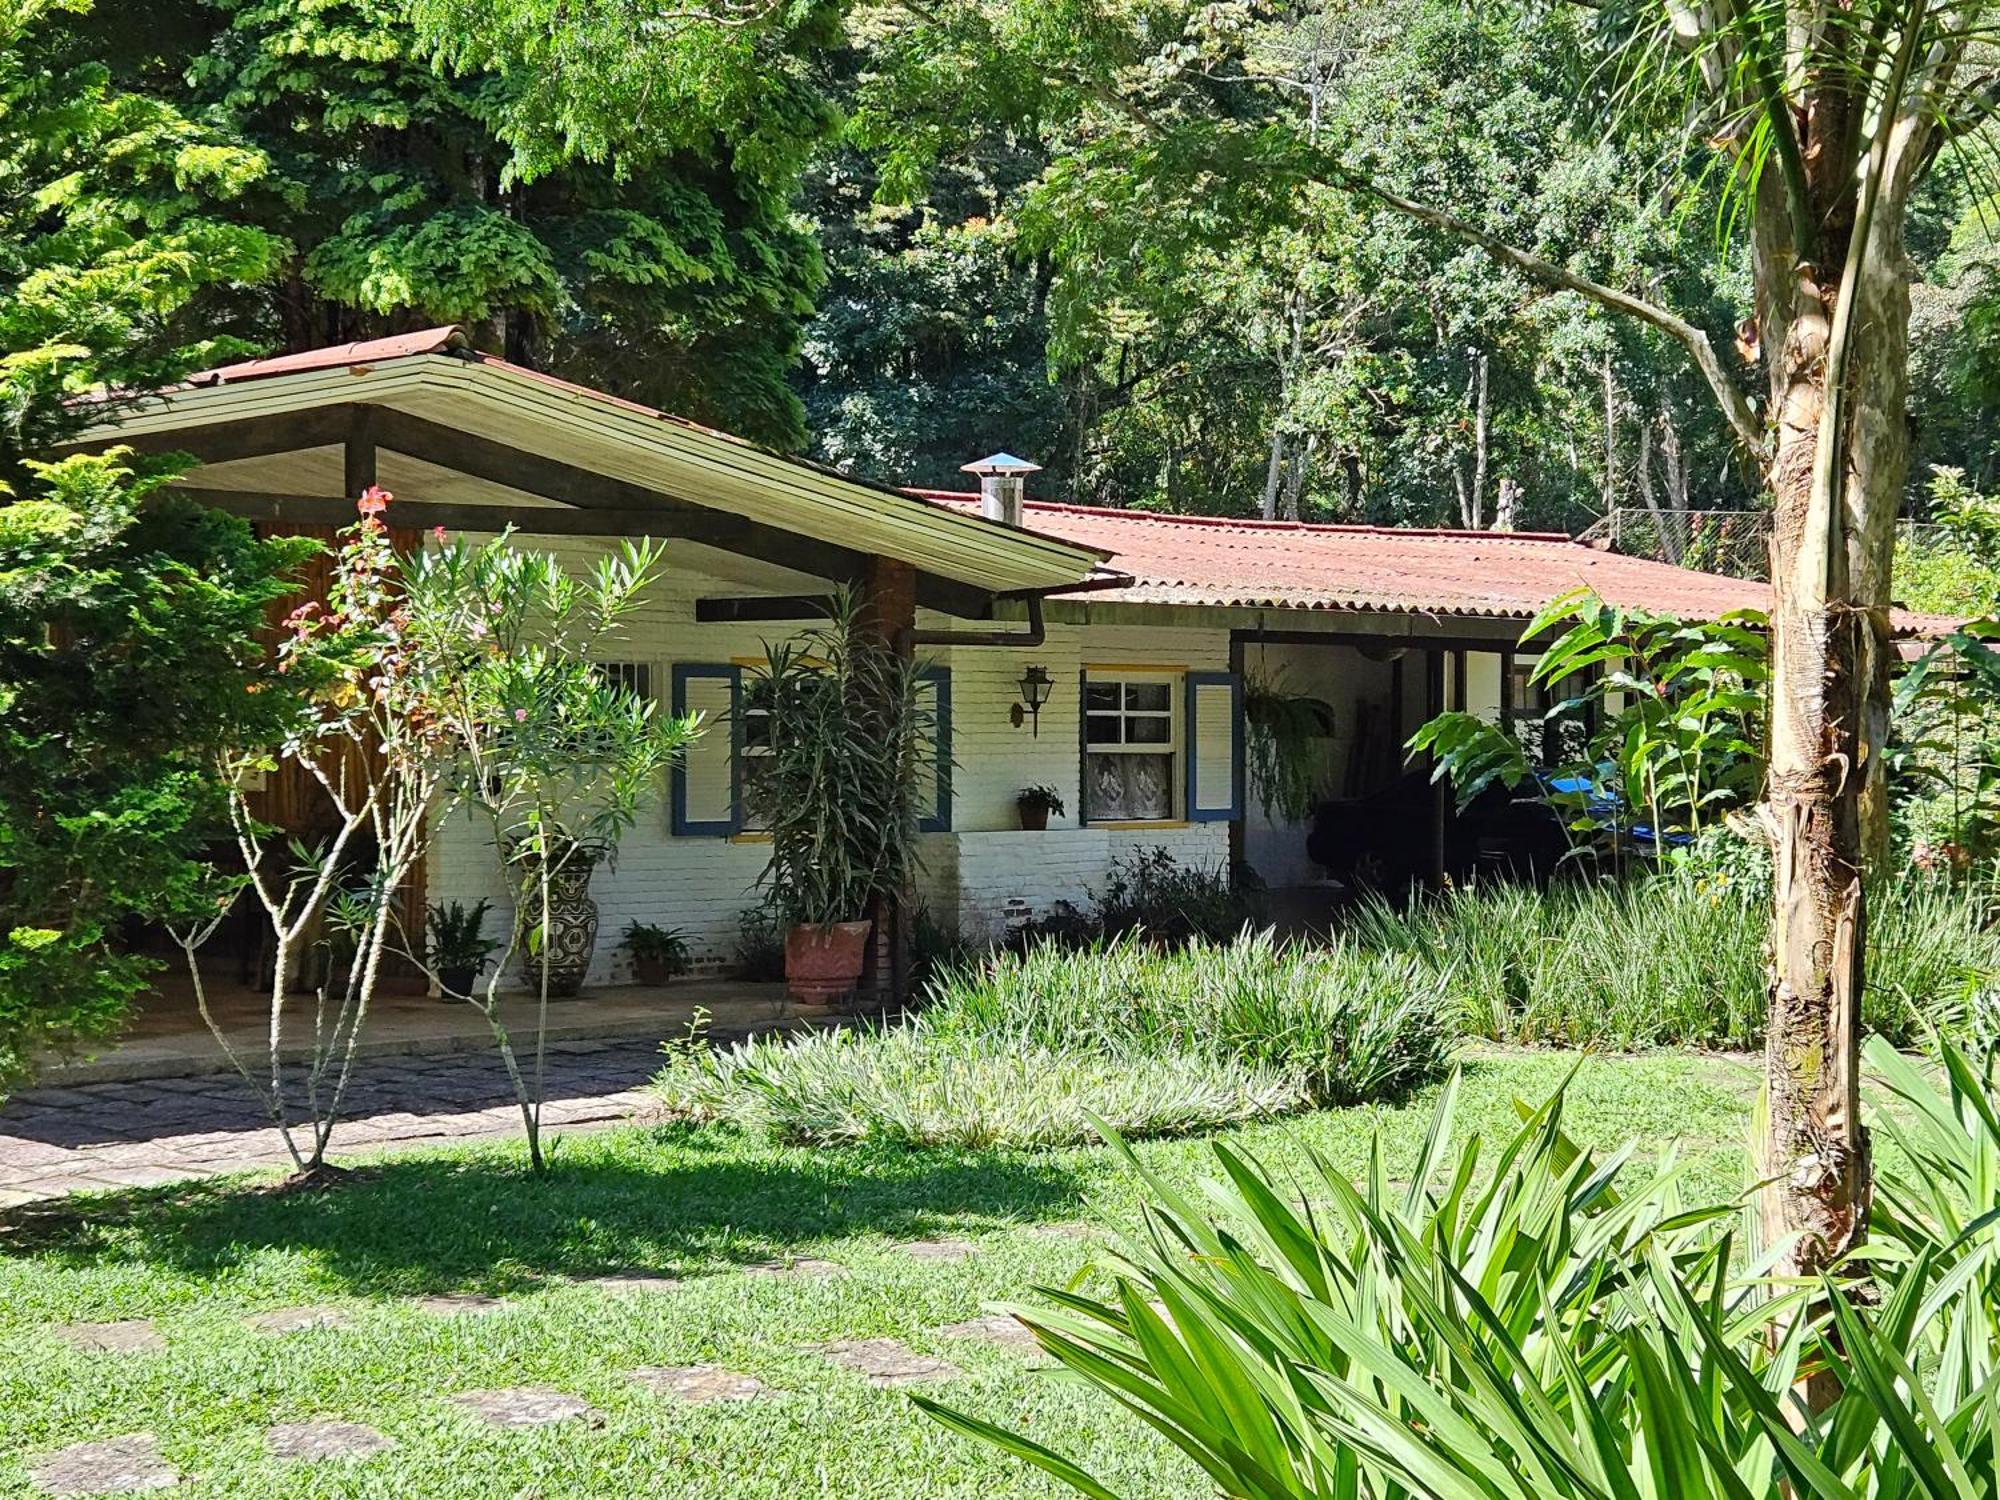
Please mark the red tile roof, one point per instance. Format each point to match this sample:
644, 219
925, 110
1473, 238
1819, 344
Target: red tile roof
1217, 561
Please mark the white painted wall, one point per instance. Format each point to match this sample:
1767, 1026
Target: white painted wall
702, 884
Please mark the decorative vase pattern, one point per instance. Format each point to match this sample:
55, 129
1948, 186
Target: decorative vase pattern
572, 935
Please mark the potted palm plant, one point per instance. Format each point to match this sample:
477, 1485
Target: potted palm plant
458, 948
837, 793
658, 953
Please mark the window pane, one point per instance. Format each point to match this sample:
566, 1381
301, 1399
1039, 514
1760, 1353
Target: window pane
1103, 729
1152, 729
1149, 786
1100, 696
1104, 787
1154, 697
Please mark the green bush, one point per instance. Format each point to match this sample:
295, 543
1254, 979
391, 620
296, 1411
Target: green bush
1024, 1049
1677, 959
910, 1086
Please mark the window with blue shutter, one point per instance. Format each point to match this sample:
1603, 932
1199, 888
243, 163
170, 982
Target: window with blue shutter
1215, 747
707, 795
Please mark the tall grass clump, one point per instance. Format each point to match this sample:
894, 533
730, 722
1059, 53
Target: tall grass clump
1025, 1049
1677, 959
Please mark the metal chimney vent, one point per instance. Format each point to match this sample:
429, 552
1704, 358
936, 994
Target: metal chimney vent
1003, 486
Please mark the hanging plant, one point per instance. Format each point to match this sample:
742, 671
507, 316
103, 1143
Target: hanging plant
1288, 744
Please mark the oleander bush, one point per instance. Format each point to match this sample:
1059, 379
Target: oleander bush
1024, 1049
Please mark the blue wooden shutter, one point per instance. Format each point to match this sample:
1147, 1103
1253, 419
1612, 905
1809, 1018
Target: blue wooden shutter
708, 778
935, 684
1214, 747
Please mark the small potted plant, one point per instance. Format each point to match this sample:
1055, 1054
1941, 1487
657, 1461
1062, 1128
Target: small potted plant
459, 947
1035, 803
658, 953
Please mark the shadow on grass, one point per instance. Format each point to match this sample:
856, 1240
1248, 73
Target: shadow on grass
670, 1200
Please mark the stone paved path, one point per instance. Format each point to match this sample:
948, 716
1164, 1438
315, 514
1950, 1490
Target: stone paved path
90, 1136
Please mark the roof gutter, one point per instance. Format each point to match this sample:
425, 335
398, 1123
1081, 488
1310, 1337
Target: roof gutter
1037, 632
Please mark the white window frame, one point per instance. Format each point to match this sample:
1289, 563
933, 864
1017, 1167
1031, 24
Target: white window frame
1174, 680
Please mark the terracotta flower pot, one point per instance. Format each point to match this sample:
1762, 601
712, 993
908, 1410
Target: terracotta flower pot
652, 970
1034, 816
456, 982
823, 964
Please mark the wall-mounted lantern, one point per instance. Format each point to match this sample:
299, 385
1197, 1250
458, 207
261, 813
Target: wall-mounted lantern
1035, 684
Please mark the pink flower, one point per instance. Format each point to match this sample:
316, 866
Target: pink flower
438, 532
520, 716
374, 500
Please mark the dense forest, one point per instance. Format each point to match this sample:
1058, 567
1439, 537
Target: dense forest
820, 226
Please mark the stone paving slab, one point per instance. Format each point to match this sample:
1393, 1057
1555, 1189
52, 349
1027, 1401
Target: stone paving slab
939, 1249
804, 1265
995, 1328
324, 1438
111, 1466
299, 1319
126, 1336
528, 1406
459, 1305
698, 1385
886, 1362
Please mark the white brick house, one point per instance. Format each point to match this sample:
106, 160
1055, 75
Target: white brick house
1147, 626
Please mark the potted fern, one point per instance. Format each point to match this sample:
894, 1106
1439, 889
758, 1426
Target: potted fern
837, 793
658, 953
459, 948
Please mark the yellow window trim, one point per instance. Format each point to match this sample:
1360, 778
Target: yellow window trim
1149, 668
750, 836
1137, 824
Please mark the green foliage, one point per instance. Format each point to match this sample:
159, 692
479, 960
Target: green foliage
1025, 1049
457, 936
118, 212
905, 1088
1288, 748
1149, 891
1673, 959
128, 661
1956, 570
666, 946
1677, 709
1944, 759
1551, 1324
1472, 753
847, 727
365, 166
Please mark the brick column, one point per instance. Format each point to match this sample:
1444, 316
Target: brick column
888, 612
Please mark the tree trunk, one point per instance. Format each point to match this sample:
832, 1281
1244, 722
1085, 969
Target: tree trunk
1481, 426
1610, 437
1272, 470
1830, 561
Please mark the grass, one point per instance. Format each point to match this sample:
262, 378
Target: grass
698, 1204
1025, 1049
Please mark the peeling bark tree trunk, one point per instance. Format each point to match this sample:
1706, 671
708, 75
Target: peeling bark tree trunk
1830, 556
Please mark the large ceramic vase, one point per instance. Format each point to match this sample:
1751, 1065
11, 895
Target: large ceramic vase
823, 964
572, 934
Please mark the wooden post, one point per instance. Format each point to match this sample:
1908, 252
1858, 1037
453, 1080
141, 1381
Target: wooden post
358, 455
888, 612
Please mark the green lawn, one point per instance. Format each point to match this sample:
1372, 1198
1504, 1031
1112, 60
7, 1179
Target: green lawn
695, 1205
